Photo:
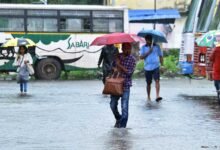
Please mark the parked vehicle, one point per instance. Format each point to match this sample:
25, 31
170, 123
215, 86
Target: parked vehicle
62, 33
203, 16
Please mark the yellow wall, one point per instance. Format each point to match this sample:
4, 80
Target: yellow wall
148, 4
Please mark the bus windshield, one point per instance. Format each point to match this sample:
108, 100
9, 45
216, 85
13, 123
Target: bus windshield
205, 15
191, 16
204, 12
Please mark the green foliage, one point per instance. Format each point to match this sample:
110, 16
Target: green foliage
173, 52
171, 59
170, 63
140, 65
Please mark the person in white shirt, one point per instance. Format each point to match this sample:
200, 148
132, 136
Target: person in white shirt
21, 60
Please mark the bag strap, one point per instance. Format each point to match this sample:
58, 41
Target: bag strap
116, 74
21, 63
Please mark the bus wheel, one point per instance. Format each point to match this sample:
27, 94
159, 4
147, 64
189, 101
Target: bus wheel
48, 69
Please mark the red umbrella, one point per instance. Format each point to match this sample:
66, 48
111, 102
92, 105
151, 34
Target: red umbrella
115, 38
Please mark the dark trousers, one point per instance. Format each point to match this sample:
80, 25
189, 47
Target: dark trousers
123, 117
152, 74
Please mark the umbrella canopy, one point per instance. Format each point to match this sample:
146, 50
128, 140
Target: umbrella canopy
18, 42
157, 35
115, 38
209, 39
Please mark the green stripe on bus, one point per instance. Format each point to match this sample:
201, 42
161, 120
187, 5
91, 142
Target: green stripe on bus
44, 38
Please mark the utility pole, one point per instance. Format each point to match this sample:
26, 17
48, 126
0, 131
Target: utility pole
155, 10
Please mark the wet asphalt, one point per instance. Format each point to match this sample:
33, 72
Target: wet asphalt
74, 115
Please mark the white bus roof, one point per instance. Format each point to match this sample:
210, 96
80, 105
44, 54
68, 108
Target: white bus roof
60, 7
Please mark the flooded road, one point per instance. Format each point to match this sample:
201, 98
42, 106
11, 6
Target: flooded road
74, 115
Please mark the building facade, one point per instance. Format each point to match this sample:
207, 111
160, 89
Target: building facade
150, 4
173, 32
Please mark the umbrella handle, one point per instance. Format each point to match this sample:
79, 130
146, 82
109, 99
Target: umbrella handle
152, 43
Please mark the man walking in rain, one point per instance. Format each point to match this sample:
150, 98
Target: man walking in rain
153, 57
125, 64
107, 57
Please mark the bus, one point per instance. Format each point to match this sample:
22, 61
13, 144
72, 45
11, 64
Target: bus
203, 16
62, 33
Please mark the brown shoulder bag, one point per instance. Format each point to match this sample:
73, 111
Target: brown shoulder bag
114, 85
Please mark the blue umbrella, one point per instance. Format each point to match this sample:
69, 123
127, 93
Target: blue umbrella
157, 35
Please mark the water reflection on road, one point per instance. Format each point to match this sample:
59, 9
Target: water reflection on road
66, 115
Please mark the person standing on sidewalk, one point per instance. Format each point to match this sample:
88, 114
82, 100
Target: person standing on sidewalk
125, 64
107, 57
21, 61
215, 59
153, 57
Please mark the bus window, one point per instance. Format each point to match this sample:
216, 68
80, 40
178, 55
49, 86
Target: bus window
107, 25
8, 21
115, 25
11, 24
107, 21
74, 25
100, 25
42, 20
75, 21
42, 24
107, 14
8, 12
42, 13
75, 13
